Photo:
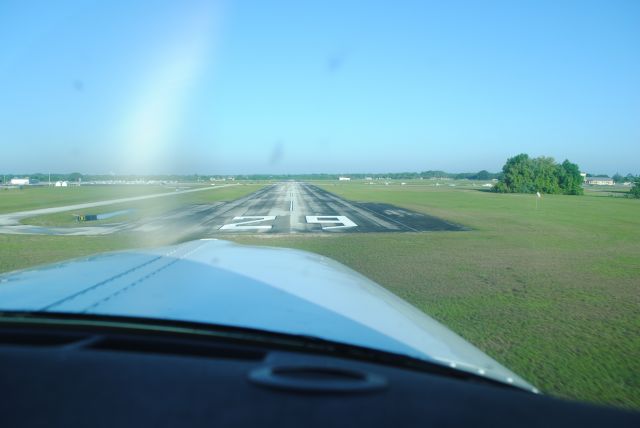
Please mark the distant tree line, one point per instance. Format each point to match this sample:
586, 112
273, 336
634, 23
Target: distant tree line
629, 178
522, 174
76, 176
617, 178
481, 175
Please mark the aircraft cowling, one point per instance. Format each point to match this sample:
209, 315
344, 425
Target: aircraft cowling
273, 289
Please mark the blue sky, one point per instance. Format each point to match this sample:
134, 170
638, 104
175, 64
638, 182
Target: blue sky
317, 86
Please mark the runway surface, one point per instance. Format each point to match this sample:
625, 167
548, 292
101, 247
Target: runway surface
282, 208
294, 207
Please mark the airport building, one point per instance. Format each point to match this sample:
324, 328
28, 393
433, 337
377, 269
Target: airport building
599, 181
20, 181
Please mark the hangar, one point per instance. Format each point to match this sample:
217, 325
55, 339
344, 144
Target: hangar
20, 181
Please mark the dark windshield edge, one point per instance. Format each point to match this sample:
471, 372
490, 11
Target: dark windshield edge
233, 335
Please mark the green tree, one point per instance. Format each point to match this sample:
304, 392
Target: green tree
517, 175
635, 190
483, 175
521, 174
569, 178
75, 176
618, 178
545, 175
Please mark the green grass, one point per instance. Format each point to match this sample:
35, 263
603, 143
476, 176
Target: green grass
32, 198
143, 209
22, 251
552, 292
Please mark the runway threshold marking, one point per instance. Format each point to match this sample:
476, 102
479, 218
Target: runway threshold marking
251, 222
344, 221
249, 219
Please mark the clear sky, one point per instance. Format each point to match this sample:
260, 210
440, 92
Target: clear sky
317, 86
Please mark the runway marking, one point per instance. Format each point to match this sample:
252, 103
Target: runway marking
252, 219
390, 219
344, 221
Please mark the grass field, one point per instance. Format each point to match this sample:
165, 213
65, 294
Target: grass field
552, 292
32, 198
21, 251
145, 208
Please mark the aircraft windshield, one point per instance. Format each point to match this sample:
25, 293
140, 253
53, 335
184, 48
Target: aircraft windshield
478, 160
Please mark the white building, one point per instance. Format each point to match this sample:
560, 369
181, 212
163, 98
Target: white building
20, 181
344, 178
599, 181
61, 184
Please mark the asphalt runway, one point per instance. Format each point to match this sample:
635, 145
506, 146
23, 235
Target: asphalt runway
293, 207
282, 208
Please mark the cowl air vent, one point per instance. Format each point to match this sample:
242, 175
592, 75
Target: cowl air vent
132, 344
174, 347
317, 379
38, 338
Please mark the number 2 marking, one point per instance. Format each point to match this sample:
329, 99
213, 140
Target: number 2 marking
249, 219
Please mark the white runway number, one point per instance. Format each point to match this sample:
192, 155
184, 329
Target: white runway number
248, 222
338, 221
257, 222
